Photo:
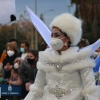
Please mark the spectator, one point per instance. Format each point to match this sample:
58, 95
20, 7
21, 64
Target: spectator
4, 54
15, 78
23, 50
15, 41
83, 43
11, 50
28, 69
43, 46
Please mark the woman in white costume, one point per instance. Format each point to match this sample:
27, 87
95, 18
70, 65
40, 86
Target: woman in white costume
64, 72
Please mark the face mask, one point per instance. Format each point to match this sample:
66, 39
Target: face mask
56, 43
16, 65
30, 61
10, 53
22, 50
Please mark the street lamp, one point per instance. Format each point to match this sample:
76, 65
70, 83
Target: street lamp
0, 28
42, 14
15, 30
36, 36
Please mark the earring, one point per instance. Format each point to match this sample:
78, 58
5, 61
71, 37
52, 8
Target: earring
65, 44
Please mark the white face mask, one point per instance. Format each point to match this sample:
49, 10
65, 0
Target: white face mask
56, 43
16, 65
10, 53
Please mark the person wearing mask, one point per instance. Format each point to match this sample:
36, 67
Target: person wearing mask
4, 54
28, 69
8, 62
15, 78
24, 48
64, 71
12, 51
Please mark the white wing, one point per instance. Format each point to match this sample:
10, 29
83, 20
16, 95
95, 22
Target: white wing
93, 46
40, 26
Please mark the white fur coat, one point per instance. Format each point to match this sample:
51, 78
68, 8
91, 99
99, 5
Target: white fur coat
73, 81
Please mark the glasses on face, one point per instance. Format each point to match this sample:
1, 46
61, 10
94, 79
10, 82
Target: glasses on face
57, 34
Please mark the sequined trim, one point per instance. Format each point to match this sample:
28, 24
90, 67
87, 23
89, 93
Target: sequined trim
58, 66
60, 92
36, 96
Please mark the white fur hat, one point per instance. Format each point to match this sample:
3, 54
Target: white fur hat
70, 25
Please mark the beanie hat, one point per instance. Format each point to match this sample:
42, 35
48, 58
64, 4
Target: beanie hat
70, 25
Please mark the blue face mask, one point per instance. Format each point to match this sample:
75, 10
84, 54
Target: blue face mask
22, 50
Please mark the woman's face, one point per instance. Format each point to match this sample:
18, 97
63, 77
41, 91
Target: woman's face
56, 33
30, 55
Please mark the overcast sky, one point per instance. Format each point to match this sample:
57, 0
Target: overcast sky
58, 7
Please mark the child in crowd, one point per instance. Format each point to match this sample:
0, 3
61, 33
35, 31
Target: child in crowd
15, 78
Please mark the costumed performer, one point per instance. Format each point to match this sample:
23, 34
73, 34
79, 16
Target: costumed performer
64, 71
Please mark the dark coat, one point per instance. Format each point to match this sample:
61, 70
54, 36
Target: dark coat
11, 61
19, 54
27, 72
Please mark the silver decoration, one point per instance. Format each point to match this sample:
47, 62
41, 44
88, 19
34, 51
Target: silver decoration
36, 96
58, 65
60, 92
63, 88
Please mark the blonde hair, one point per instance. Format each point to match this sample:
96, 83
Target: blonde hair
12, 45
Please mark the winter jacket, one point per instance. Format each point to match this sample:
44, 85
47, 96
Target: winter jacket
27, 72
11, 61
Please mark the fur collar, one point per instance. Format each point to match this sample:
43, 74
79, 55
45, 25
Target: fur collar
77, 59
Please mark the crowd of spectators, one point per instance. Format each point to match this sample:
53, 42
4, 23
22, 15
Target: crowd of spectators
18, 67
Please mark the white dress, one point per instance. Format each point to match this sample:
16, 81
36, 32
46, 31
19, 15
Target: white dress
68, 76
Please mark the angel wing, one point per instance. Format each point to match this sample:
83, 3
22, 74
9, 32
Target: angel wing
40, 26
